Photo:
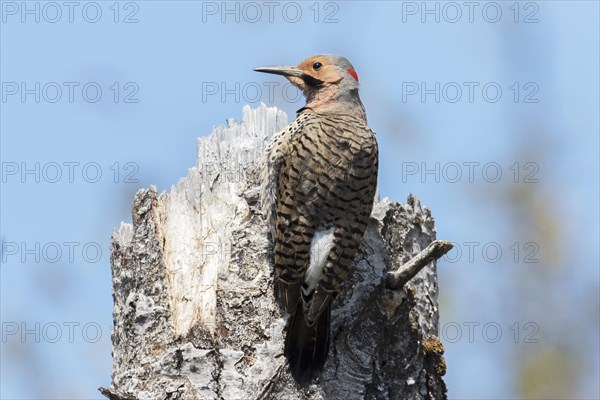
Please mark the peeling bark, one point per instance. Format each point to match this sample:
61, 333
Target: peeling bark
195, 315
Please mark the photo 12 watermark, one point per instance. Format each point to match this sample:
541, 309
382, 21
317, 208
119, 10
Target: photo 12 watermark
470, 92
469, 172
52, 332
68, 172
250, 92
228, 171
470, 12
493, 252
489, 332
37, 252
252, 12
70, 12
70, 92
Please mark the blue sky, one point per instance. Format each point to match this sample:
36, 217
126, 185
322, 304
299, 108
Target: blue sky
157, 78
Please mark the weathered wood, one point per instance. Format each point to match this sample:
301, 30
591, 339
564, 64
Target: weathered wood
195, 315
436, 249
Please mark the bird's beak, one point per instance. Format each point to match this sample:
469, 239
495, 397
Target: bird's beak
281, 70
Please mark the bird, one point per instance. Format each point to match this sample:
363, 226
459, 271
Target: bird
319, 181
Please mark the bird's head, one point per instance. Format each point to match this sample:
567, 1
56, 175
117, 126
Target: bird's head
329, 83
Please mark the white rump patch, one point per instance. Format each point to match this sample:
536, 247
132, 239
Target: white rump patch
320, 247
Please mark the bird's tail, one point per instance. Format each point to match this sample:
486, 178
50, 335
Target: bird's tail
306, 346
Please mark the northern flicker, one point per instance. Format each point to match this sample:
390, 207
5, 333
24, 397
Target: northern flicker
320, 179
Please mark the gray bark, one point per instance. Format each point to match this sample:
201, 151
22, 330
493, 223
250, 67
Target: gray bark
194, 310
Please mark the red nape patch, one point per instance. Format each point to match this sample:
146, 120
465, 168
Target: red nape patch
353, 73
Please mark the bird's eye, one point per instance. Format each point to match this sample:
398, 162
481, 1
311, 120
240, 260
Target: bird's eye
317, 66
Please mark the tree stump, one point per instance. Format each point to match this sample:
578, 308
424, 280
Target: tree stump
195, 315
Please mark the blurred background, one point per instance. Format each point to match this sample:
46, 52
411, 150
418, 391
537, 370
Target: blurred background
487, 111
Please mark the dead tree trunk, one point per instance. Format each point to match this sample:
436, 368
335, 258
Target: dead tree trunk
194, 310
